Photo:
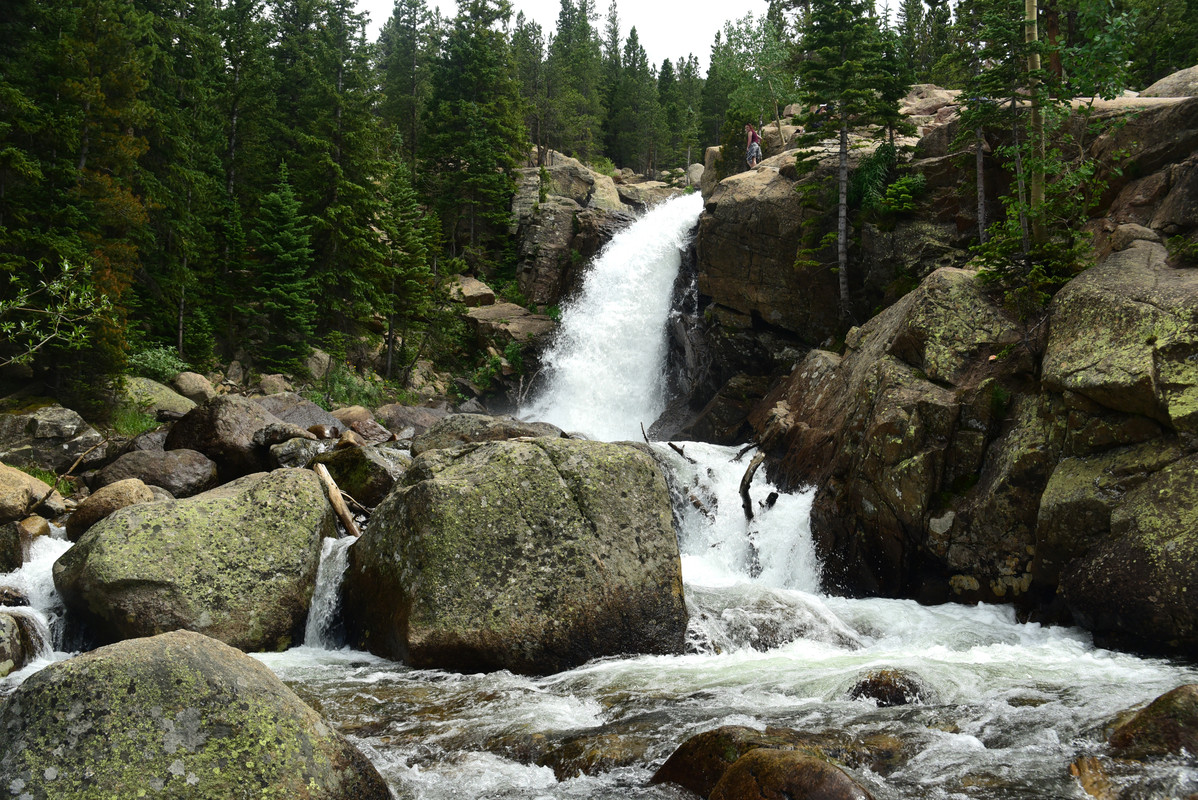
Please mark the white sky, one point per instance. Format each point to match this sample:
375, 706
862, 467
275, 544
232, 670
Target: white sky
666, 28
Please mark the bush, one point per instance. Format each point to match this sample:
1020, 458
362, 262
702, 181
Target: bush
604, 166
131, 421
161, 364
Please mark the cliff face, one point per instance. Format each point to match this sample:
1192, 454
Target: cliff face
958, 453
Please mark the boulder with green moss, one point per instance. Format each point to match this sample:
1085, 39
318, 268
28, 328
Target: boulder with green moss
237, 563
150, 396
1138, 588
367, 474
176, 715
533, 556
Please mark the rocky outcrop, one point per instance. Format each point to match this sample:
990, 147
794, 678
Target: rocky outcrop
458, 571
51, 438
237, 563
505, 323
646, 195
459, 429
1183, 83
925, 99
152, 397
470, 292
183, 473
103, 502
177, 715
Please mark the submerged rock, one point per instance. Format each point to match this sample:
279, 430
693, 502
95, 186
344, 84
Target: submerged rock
889, 687
1167, 726
237, 563
782, 775
530, 556
176, 715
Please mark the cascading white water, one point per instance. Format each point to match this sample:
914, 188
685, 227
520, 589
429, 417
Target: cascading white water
326, 598
43, 617
605, 370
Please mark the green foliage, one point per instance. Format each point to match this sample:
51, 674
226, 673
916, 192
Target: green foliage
1183, 250
43, 308
484, 375
161, 364
603, 165
130, 421
341, 387
543, 184
57, 483
514, 353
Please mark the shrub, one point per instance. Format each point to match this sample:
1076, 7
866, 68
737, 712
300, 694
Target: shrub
161, 364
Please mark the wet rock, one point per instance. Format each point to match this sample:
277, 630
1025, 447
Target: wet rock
177, 715
223, 429
594, 755
181, 472
465, 428
367, 474
889, 687
194, 386
104, 501
51, 438
724, 420
22, 494
417, 419
291, 407
530, 556
1167, 726
151, 397
11, 596
780, 775
16, 649
701, 761
237, 563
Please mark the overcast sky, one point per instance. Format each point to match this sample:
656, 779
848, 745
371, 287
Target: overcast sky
667, 28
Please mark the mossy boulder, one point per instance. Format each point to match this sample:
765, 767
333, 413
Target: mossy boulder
459, 429
237, 563
533, 556
1166, 726
151, 396
176, 715
1138, 588
367, 474
782, 775
105, 501
182, 472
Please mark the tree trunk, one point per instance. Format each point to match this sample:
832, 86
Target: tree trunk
981, 168
1036, 198
842, 224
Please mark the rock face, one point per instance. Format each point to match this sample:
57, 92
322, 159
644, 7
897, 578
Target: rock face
236, 563
1183, 83
459, 571
177, 715
52, 437
466, 428
223, 429
103, 502
183, 473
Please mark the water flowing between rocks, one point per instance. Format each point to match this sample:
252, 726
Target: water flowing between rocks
1005, 707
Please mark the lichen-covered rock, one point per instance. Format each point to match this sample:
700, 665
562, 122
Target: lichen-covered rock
1138, 587
223, 429
465, 428
104, 501
50, 437
530, 556
237, 563
1167, 726
176, 715
151, 396
367, 474
1124, 334
299, 411
181, 472
21, 494
781, 775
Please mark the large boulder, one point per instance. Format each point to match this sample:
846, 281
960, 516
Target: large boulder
194, 386
781, 775
101, 503
460, 429
925, 99
367, 474
21, 494
504, 323
1123, 335
646, 195
50, 437
1166, 726
1137, 587
182, 472
224, 430
151, 397
237, 563
411, 419
299, 411
16, 646
529, 556
470, 291
1183, 83
176, 715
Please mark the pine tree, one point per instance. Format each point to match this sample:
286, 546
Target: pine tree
284, 313
410, 240
528, 50
404, 61
843, 71
636, 115
575, 77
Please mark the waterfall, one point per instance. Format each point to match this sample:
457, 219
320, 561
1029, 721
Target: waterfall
322, 627
606, 369
42, 618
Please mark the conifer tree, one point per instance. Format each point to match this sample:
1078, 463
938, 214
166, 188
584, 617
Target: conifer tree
403, 63
636, 111
528, 50
575, 73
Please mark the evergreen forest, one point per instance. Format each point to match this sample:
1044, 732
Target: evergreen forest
218, 179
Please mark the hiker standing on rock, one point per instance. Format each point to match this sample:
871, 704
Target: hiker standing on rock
752, 146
